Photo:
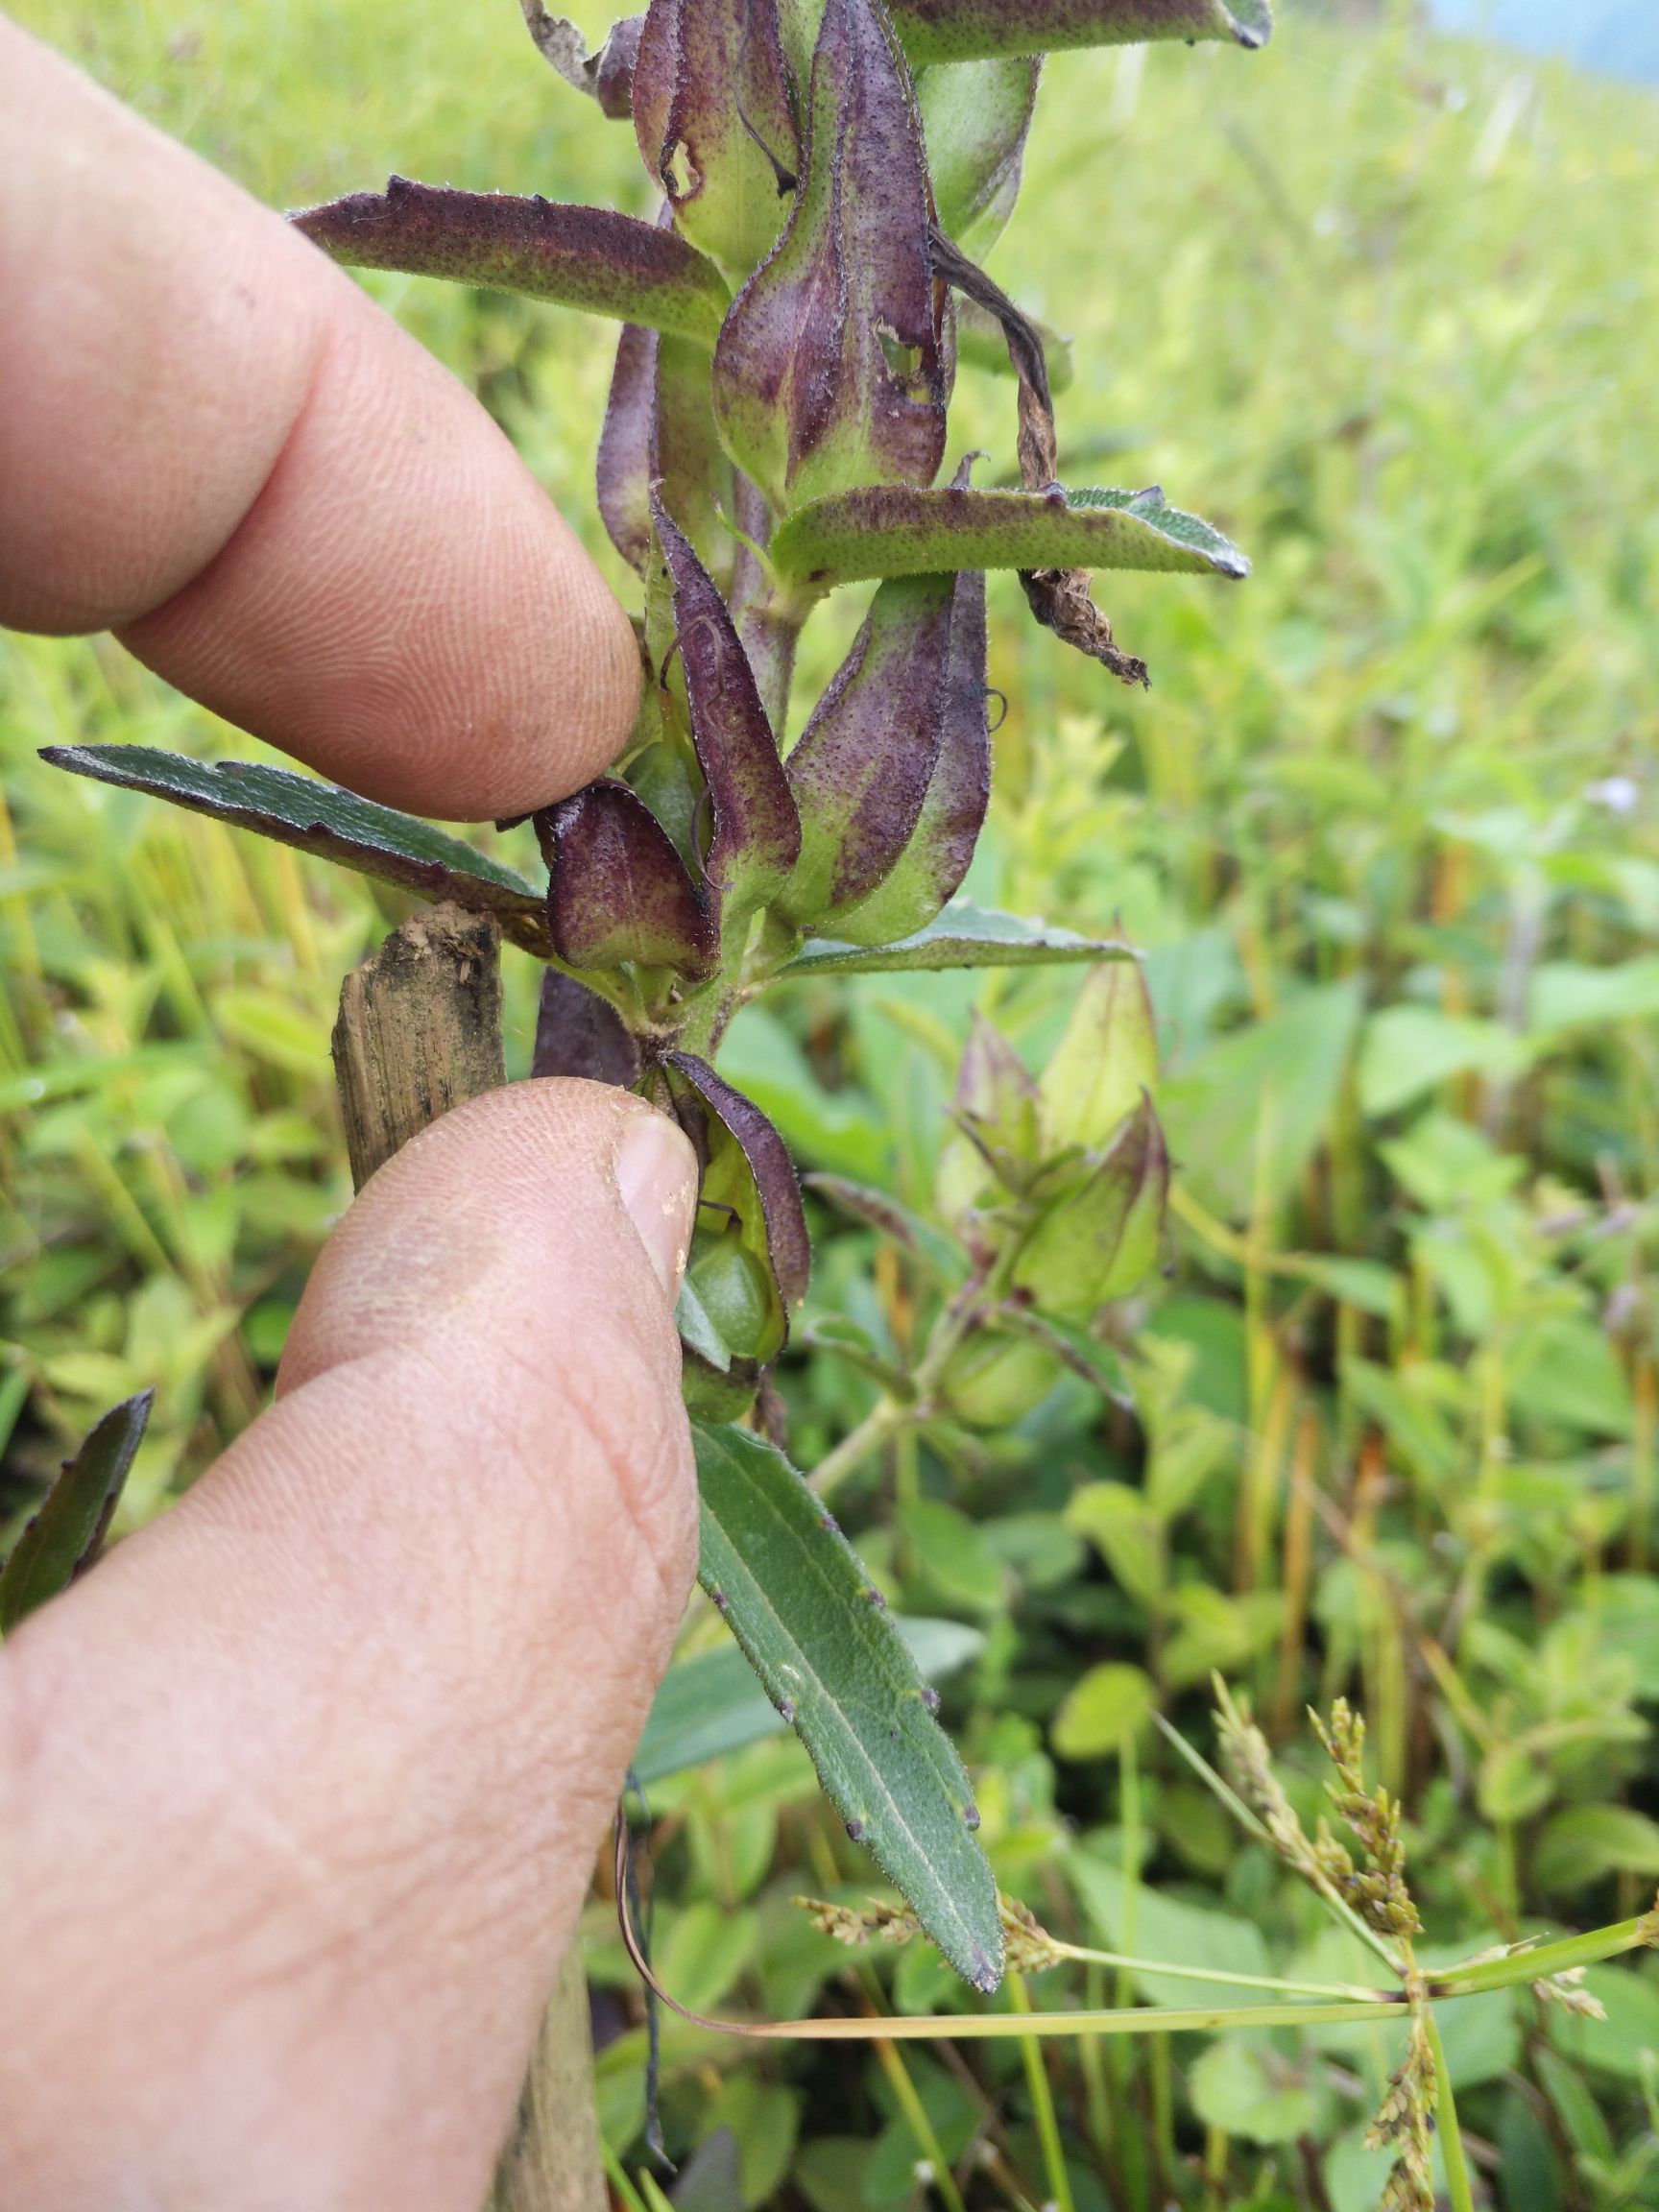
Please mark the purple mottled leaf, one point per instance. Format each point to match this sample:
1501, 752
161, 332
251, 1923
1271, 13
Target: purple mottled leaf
902, 530
935, 861
864, 761
714, 112
768, 1161
977, 116
588, 258
833, 368
757, 830
619, 891
578, 1033
971, 29
659, 429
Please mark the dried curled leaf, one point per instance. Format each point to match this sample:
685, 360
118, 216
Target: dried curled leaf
606, 75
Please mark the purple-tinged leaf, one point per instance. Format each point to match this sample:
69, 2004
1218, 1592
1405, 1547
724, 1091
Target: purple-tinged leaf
587, 257
659, 429
64, 1537
757, 830
770, 1169
323, 819
578, 1033
976, 116
867, 756
932, 868
606, 74
619, 892
963, 936
714, 112
971, 29
902, 530
833, 367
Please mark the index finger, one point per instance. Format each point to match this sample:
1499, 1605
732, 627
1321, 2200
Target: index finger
213, 443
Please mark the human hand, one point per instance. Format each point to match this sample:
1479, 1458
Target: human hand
300, 1790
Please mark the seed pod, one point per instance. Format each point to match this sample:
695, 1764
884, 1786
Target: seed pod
1104, 1063
659, 429
578, 1033
715, 110
751, 1258
998, 1139
1100, 1234
977, 116
755, 839
832, 367
930, 870
619, 892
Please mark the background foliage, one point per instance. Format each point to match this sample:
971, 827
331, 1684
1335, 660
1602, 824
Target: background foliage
1386, 309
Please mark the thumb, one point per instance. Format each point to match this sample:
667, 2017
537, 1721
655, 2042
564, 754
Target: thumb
299, 1790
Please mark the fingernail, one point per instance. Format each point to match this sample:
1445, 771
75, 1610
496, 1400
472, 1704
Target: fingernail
656, 1181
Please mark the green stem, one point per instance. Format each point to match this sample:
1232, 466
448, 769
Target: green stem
618, 2179
1459, 2188
1341, 1989
1549, 1958
1042, 2103
915, 2116
884, 1420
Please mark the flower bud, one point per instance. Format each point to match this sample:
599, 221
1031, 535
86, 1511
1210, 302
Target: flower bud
998, 1139
659, 430
832, 369
976, 116
1104, 1063
714, 110
1101, 1230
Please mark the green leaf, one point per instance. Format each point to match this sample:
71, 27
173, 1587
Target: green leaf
710, 1704
1566, 995
64, 1536
333, 824
1410, 1050
1106, 1709
902, 530
1247, 2089
967, 29
829, 1656
1584, 1843
963, 936
587, 257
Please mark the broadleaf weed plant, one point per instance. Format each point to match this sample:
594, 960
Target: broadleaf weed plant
832, 177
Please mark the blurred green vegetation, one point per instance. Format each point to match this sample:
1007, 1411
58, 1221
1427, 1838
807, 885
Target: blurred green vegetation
1386, 310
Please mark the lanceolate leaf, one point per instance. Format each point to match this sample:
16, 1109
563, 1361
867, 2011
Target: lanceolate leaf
831, 1661
832, 369
711, 1703
963, 936
864, 761
967, 30
714, 110
930, 871
757, 837
64, 1536
322, 818
578, 1033
619, 891
786, 1242
902, 530
588, 258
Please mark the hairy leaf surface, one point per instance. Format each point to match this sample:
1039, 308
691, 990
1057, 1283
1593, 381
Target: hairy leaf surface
829, 1656
969, 30
963, 936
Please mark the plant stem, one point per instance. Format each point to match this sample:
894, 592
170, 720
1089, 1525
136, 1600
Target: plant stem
1340, 1989
1042, 2103
916, 2116
1549, 1958
1458, 2187
882, 1421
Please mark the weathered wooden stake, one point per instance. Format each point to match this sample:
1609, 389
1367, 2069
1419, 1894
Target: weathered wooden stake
420, 1031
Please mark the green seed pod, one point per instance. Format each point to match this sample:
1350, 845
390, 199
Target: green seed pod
1104, 1063
734, 1290
1100, 1234
976, 116
994, 1381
